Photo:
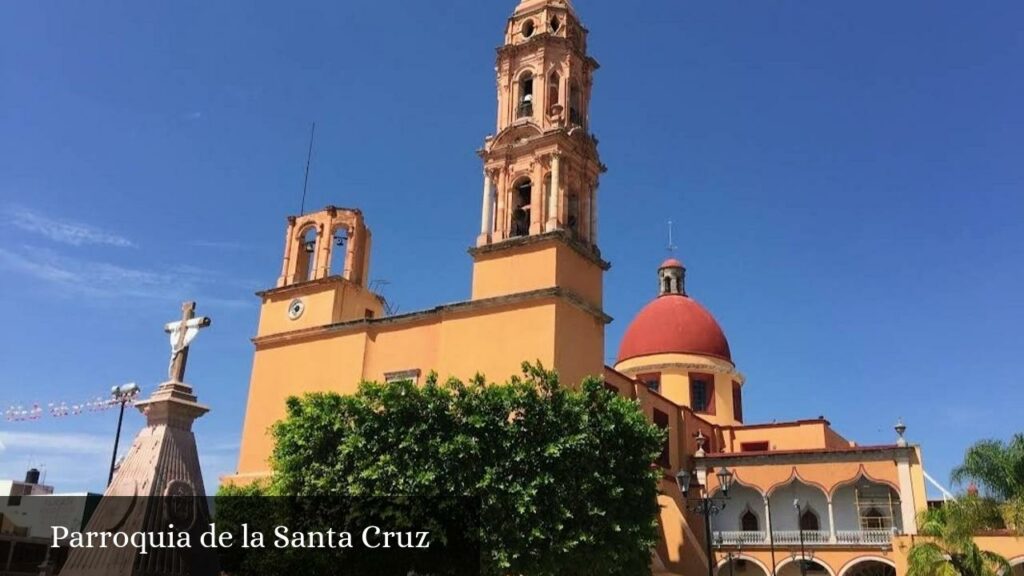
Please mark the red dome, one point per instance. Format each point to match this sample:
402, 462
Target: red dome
671, 263
674, 323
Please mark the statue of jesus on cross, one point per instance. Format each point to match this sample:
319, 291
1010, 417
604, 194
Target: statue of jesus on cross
182, 333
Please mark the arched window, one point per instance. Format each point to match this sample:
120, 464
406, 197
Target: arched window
525, 107
575, 102
553, 85
522, 194
572, 218
305, 263
748, 522
338, 253
809, 521
873, 519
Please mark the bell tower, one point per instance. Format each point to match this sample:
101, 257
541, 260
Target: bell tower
541, 167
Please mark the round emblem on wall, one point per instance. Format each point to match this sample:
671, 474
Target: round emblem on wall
296, 308
180, 505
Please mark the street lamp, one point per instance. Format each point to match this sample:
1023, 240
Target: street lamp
120, 394
705, 505
730, 557
800, 526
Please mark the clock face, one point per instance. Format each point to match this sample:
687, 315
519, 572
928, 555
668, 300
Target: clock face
296, 308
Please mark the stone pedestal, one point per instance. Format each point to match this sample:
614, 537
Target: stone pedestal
158, 484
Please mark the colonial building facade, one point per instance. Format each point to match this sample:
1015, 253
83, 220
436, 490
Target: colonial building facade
803, 498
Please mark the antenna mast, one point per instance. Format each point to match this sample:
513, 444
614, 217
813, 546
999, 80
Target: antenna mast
305, 181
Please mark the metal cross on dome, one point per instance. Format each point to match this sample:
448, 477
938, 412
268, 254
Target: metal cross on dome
182, 333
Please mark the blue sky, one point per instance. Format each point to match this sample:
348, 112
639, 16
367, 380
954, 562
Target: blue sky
846, 180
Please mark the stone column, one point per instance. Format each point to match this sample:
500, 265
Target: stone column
536, 197
289, 241
831, 523
486, 212
552, 223
906, 491
767, 521
501, 218
593, 216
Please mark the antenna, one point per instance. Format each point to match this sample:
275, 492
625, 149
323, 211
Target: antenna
305, 181
671, 247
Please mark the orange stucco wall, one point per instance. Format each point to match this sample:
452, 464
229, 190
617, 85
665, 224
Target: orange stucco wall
535, 265
558, 333
675, 371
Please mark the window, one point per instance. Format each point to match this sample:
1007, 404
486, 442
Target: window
873, 519
573, 212
809, 521
525, 108
661, 421
403, 376
748, 522
522, 195
575, 113
753, 446
737, 402
368, 314
876, 506
652, 380
528, 28
553, 82
702, 393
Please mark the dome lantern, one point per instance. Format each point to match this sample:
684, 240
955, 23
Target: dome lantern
671, 278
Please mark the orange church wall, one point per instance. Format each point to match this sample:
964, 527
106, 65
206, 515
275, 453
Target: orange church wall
327, 301
579, 344
675, 371
497, 343
278, 372
449, 341
539, 262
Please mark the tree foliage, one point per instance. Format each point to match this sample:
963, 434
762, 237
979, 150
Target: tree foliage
998, 467
950, 549
542, 478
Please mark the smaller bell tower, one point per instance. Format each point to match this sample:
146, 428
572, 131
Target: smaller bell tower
324, 274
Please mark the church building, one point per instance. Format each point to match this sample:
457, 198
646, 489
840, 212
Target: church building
803, 499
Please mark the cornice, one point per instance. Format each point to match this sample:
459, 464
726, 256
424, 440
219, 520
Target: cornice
591, 254
354, 326
824, 455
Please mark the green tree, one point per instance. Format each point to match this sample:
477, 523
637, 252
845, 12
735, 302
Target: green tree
949, 548
541, 478
998, 467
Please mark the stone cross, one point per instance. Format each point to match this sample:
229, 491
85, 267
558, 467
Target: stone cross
182, 333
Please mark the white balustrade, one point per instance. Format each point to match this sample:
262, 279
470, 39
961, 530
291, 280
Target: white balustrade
815, 538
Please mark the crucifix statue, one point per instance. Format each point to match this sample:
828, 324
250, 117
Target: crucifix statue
182, 333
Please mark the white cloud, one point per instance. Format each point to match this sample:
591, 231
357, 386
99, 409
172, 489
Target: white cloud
105, 281
63, 231
43, 443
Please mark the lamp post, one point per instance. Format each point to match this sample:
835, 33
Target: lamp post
705, 505
122, 395
800, 527
730, 557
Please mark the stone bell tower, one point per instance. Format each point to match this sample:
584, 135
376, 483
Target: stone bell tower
324, 274
541, 168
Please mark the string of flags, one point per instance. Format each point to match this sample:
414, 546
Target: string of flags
36, 411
